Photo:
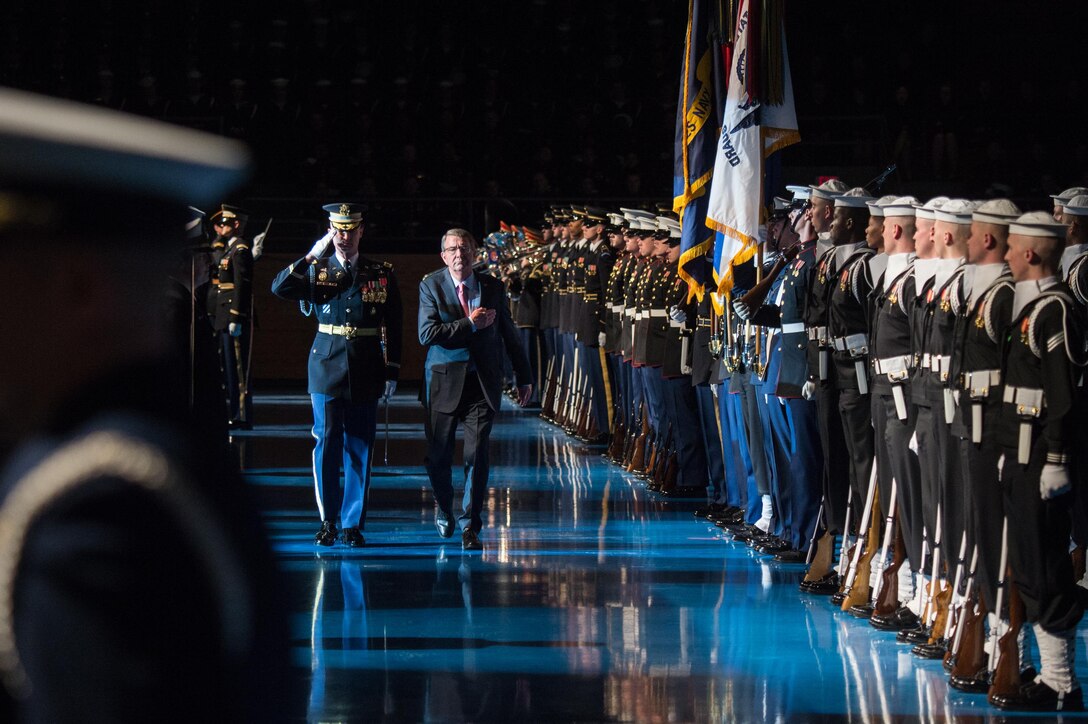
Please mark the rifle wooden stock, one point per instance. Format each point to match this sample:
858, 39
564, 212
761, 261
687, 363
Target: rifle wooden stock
860, 591
970, 656
888, 600
638, 456
641, 428
821, 561
942, 605
619, 438
1006, 680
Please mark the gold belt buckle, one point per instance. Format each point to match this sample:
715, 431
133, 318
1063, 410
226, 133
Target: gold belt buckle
349, 331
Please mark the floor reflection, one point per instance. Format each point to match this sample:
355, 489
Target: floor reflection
593, 601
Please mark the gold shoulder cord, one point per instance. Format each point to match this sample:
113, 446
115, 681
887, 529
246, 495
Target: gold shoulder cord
100, 455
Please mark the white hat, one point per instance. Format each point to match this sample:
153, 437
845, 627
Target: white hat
855, 198
616, 219
800, 193
928, 210
1077, 205
670, 225
901, 206
997, 211
957, 211
830, 189
876, 208
1068, 194
1037, 223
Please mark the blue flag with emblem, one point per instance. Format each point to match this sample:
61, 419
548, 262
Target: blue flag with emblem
697, 124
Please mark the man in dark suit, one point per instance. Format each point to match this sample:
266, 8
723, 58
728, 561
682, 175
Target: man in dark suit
348, 369
465, 324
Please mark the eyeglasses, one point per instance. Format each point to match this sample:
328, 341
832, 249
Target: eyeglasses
458, 249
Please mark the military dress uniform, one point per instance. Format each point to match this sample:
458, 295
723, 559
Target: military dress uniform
348, 367
794, 423
232, 288
1042, 353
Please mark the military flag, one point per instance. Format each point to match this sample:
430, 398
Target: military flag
697, 125
759, 119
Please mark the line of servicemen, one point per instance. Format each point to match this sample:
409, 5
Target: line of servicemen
887, 379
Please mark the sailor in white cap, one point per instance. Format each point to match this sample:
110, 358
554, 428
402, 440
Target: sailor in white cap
125, 537
1043, 357
976, 374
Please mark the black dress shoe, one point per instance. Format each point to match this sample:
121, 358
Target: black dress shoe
707, 510
352, 538
861, 610
470, 540
1037, 696
931, 651
825, 586
790, 556
774, 547
902, 618
977, 684
327, 535
443, 524
914, 636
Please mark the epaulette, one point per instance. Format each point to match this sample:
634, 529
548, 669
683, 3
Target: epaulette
241, 246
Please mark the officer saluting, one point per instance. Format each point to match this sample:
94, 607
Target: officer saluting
353, 297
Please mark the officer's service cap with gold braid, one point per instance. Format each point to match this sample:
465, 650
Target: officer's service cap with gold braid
344, 217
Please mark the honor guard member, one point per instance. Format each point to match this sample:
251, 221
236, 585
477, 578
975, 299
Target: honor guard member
609, 338
848, 331
549, 310
596, 261
784, 309
354, 299
951, 230
1043, 358
640, 248
1061, 199
232, 284
926, 262
137, 582
691, 465
529, 283
643, 344
820, 387
1073, 270
892, 361
976, 373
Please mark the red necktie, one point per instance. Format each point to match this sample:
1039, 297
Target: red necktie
461, 298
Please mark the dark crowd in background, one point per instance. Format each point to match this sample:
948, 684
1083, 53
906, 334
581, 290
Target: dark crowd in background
561, 99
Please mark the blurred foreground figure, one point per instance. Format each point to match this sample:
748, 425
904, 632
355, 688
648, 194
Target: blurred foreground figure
134, 578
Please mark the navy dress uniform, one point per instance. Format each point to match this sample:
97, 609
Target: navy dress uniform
1043, 357
137, 581
232, 311
348, 369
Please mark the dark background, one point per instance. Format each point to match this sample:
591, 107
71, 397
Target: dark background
467, 113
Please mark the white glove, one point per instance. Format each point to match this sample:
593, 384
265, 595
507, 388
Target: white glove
741, 309
390, 388
677, 314
600, 338
258, 245
1000, 466
715, 387
320, 245
808, 390
1053, 481
235, 329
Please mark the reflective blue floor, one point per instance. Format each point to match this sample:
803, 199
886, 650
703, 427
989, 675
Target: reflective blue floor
594, 600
